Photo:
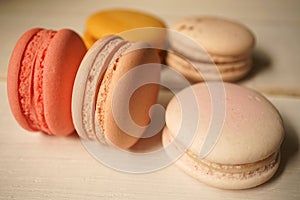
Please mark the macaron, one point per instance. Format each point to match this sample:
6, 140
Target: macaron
245, 151
115, 21
220, 48
100, 109
40, 78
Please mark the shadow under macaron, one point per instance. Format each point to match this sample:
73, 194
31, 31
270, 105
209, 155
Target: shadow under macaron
261, 61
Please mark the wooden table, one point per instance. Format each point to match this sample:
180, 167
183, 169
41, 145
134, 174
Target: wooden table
36, 166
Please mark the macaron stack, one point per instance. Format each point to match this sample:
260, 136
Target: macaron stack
210, 48
55, 86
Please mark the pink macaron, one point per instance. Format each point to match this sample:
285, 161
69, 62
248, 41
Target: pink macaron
239, 130
103, 105
40, 79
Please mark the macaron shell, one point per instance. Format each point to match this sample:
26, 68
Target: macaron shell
13, 77
187, 164
88, 39
140, 101
61, 62
217, 35
80, 85
228, 59
220, 179
156, 36
87, 83
252, 129
114, 21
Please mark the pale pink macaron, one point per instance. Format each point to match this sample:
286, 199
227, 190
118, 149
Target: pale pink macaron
100, 110
40, 79
245, 151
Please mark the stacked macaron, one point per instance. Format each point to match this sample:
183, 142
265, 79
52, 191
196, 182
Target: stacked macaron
210, 48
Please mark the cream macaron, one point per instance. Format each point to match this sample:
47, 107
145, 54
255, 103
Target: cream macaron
102, 100
220, 48
245, 151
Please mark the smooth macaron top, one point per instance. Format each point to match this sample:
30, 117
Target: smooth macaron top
218, 36
252, 128
95, 95
41, 73
114, 21
132, 25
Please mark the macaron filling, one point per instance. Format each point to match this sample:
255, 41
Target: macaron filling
31, 80
235, 171
241, 171
106, 84
103, 63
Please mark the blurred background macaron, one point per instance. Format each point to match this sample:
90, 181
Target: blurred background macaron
235, 139
220, 48
41, 73
116, 21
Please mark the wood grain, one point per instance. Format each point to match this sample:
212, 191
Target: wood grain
36, 166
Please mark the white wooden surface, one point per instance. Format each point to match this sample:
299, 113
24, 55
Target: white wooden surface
36, 166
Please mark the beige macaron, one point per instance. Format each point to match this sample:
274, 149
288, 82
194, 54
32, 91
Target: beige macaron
235, 135
224, 44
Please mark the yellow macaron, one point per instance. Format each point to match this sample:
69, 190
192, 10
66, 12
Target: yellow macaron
116, 21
